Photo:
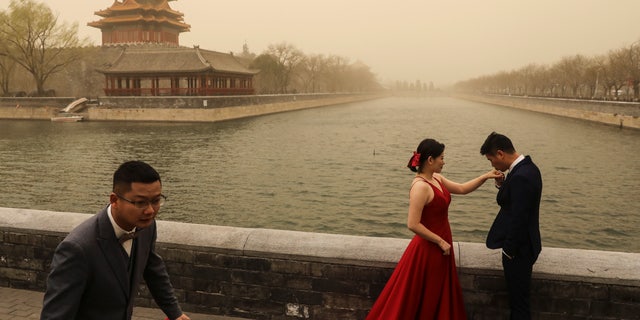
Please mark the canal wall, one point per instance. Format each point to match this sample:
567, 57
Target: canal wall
32, 108
621, 114
186, 109
276, 274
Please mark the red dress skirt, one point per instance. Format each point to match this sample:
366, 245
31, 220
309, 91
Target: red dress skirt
425, 283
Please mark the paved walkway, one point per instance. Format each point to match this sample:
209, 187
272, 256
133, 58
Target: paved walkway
25, 304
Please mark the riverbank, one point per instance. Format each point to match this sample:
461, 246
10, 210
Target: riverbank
620, 114
179, 109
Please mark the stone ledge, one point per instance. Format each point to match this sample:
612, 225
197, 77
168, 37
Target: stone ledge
621, 114
553, 264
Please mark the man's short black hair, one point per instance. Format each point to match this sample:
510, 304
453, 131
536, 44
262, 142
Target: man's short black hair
495, 142
133, 171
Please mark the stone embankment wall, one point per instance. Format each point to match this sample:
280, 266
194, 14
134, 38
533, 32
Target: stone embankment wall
211, 108
196, 109
274, 274
622, 114
32, 108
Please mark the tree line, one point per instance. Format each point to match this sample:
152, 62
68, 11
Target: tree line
40, 56
611, 76
286, 69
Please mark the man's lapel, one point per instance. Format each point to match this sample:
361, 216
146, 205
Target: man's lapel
113, 251
517, 166
142, 246
510, 174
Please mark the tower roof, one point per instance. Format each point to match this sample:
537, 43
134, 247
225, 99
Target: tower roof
140, 12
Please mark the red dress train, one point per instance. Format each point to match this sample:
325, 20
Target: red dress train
425, 283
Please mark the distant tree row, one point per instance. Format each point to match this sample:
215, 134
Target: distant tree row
286, 69
612, 76
417, 86
37, 51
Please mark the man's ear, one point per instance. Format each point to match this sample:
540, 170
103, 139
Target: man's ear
113, 198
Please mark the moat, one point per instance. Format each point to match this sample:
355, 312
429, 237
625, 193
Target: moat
337, 169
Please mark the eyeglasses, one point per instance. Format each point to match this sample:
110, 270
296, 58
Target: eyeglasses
156, 203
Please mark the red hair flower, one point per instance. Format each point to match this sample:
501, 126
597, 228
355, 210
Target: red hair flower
415, 161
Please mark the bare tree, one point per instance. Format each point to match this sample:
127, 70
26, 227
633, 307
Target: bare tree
539, 81
592, 73
334, 75
361, 79
312, 69
287, 58
35, 40
634, 70
266, 80
6, 65
6, 70
619, 65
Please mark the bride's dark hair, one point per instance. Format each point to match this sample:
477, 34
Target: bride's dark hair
427, 148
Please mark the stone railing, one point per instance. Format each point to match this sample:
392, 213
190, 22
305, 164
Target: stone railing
275, 274
621, 114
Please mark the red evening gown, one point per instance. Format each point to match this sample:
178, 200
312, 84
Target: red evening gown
424, 284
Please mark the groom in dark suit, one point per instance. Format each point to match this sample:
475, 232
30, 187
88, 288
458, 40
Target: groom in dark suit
96, 269
516, 227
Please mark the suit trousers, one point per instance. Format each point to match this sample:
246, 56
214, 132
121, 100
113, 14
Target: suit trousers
517, 273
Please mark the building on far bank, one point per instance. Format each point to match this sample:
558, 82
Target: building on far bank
176, 71
152, 63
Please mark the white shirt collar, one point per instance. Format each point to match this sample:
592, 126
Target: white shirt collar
518, 159
116, 228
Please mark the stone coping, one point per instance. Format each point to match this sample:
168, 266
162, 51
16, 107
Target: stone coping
553, 263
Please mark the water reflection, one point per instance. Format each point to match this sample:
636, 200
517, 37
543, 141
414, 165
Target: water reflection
336, 169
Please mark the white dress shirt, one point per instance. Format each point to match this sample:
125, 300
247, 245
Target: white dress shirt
119, 232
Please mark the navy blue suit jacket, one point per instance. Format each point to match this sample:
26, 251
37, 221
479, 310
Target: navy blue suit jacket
516, 228
89, 277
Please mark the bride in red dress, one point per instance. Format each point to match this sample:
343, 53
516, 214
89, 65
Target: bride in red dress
425, 283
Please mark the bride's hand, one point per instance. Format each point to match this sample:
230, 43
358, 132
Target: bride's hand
445, 246
499, 178
494, 174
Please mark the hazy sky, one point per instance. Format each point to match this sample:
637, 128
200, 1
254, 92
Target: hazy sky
442, 41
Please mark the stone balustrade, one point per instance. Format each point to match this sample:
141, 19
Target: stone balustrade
277, 274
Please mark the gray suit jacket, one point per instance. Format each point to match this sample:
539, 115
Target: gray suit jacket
89, 278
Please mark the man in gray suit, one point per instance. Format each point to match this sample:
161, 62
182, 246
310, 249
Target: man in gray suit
97, 268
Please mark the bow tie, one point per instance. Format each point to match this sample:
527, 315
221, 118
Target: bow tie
128, 236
